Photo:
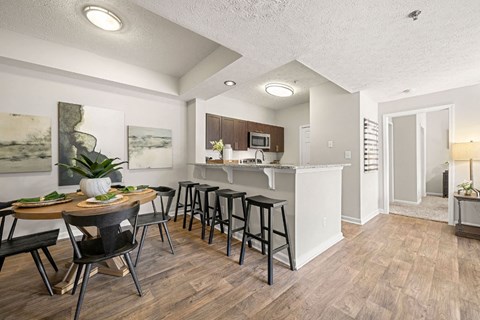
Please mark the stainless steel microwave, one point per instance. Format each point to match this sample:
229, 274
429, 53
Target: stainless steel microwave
258, 140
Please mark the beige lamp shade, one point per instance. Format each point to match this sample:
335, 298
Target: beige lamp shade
466, 151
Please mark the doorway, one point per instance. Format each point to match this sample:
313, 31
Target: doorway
417, 163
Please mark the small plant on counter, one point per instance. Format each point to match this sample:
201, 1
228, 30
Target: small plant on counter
218, 146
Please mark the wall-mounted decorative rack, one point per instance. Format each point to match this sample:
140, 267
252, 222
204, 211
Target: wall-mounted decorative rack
370, 145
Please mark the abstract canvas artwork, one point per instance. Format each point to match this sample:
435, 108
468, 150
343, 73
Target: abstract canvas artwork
149, 148
94, 132
25, 143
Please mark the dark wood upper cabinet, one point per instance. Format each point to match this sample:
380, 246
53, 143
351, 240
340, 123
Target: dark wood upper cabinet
256, 127
277, 139
235, 132
228, 131
213, 129
240, 135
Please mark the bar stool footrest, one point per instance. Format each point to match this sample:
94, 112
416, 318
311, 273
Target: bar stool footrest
280, 248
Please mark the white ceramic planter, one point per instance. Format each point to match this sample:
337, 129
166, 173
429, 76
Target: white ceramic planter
95, 187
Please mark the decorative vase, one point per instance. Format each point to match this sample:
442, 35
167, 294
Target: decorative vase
95, 187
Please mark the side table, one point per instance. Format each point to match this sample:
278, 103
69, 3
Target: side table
462, 230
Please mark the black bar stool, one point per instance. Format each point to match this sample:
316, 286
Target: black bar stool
205, 212
266, 203
188, 185
217, 218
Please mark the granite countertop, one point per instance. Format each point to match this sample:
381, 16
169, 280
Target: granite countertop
275, 166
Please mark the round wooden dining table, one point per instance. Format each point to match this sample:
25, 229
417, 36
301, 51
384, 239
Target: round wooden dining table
115, 266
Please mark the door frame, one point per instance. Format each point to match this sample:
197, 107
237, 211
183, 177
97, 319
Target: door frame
386, 157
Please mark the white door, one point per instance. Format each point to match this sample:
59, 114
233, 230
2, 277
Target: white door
305, 145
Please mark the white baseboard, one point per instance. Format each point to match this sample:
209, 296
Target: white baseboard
407, 202
351, 220
312, 254
369, 217
363, 221
437, 194
467, 224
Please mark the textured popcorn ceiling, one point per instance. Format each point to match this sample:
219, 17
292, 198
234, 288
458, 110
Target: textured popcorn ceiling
367, 45
146, 40
294, 74
358, 44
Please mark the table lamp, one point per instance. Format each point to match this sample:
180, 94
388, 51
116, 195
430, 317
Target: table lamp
467, 151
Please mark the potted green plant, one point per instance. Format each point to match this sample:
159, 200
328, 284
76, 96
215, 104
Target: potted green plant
95, 173
218, 146
466, 187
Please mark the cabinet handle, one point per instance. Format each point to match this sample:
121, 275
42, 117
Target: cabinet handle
277, 148
236, 145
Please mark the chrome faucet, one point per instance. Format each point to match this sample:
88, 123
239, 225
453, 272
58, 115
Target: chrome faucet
263, 155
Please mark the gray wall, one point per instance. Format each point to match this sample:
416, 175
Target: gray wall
405, 158
437, 150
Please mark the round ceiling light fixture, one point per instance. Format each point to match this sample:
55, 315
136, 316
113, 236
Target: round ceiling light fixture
103, 18
279, 89
230, 83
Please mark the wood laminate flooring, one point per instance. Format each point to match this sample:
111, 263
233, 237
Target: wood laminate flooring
394, 267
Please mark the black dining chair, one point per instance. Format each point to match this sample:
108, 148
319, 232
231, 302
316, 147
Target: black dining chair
159, 218
28, 243
113, 242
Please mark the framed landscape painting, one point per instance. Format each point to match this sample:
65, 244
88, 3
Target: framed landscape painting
149, 148
94, 132
25, 143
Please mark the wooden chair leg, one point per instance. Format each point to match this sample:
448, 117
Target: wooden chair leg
41, 269
140, 247
77, 278
270, 247
133, 273
50, 258
83, 289
214, 219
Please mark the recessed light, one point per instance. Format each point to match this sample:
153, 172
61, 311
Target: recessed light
279, 89
103, 18
230, 83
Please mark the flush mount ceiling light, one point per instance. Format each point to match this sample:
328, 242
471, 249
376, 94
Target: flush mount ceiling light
279, 89
102, 18
230, 83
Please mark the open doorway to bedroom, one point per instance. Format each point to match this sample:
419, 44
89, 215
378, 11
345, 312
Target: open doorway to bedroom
417, 163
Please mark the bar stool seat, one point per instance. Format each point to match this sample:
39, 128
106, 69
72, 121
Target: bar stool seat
230, 195
187, 207
266, 203
205, 212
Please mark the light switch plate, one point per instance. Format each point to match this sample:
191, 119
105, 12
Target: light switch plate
330, 144
348, 154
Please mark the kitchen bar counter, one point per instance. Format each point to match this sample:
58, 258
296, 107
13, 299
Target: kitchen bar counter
313, 192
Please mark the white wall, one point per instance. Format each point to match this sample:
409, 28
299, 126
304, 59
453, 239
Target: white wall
31, 92
368, 180
291, 119
437, 150
467, 128
334, 116
405, 158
